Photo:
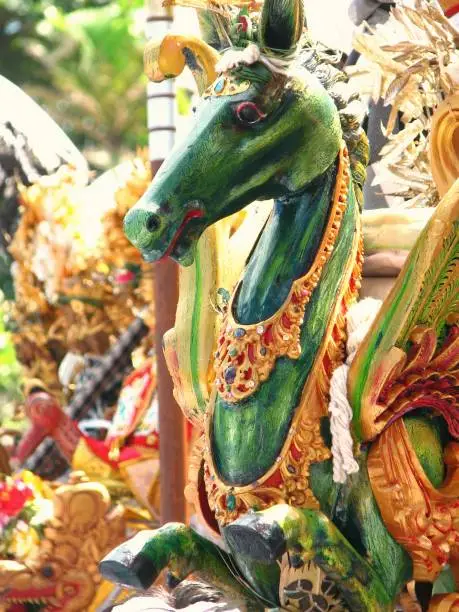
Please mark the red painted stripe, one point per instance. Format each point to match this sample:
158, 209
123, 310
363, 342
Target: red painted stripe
452, 10
192, 214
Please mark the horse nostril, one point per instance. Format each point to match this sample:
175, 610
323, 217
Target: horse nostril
152, 223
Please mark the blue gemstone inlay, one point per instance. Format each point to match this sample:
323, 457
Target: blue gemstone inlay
219, 85
230, 375
239, 332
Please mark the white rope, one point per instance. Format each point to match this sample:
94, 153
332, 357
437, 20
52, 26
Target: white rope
250, 55
359, 320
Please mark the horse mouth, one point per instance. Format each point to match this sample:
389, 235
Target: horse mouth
181, 247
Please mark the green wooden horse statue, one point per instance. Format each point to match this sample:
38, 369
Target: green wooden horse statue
318, 509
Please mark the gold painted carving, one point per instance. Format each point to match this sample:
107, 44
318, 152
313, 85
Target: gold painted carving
424, 520
247, 354
445, 603
226, 86
428, 375
444, 144
64, 574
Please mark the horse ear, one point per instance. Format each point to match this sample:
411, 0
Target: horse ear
282, 23
210, 32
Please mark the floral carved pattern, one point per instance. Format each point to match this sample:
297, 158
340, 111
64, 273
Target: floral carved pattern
421, 518
424, 520
425, 377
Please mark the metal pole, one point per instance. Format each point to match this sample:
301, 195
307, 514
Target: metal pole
161, 131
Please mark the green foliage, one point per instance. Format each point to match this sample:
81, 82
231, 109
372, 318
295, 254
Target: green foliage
6, 280
10, 373
18, 29
82, 61
98, 89
18, 20
184, 98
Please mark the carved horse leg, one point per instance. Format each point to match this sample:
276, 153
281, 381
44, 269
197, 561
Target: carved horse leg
138, 562
308, 535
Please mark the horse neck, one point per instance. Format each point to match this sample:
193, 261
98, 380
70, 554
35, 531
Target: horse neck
285, 250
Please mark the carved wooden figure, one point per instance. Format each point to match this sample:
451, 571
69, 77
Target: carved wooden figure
316, 512
62, 574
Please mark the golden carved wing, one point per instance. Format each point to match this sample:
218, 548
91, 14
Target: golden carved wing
410, 356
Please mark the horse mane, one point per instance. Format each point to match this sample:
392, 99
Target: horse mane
324, 63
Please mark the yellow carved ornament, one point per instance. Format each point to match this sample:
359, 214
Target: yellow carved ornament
444, 144
167, 58
424, 520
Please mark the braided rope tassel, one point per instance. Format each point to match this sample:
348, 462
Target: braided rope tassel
359, 320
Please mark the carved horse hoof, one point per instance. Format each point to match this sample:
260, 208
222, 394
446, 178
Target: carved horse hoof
173, 547
308, 536
128, 565
256, 537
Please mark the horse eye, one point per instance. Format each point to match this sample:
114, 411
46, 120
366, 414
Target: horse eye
249, 113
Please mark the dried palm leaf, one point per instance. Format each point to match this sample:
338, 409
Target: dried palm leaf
411, 58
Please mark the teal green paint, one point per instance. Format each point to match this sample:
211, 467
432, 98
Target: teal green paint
257, 427
310, 535
425, 436
445, 583
354, 510
279, 29
194, 348
286, 250
356, 399
224, 166
296, 144
183, 551
262, 577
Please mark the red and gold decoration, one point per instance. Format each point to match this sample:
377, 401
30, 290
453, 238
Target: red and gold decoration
423, 519
247, 354
55, 542
288, 478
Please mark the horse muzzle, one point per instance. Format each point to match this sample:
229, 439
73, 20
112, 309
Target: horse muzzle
158, 234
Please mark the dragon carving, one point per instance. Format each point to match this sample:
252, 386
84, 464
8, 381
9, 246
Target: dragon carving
63, 575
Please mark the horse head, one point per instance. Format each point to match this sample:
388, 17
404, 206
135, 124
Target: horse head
265, 128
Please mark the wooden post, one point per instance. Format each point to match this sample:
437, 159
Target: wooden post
161, 131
